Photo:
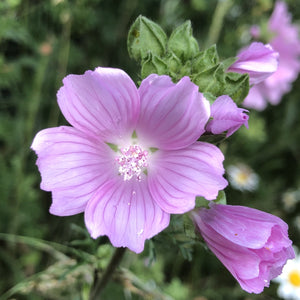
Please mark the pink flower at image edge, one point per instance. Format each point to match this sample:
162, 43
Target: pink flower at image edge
131, 157
253, 245
286, 42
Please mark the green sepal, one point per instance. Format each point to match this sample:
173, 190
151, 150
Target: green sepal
113, 147
153, 149
216, 82
228, 62
153, 65
221, 199
209, 80
182, 42
210, 97
173, 62
215, 139
201, 202
237, 86
134, 135
145, 36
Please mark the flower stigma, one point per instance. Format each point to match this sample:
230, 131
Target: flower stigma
132, 162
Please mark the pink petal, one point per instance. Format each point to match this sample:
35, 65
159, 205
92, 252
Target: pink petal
173, 116
72, 165
177, 177
126, 213
103, 102
232, 255
241, 263
256, 98
230, 222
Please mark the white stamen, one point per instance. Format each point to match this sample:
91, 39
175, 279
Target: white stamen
132, 162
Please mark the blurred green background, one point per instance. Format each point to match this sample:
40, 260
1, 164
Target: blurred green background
43, 40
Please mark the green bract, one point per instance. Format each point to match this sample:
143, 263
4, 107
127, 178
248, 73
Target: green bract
180, 56
146, 37
182, 43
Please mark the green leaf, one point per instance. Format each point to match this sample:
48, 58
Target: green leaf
205, 60
146, 36
182, 42
153, 65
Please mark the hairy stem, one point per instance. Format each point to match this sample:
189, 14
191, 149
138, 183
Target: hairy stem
100, 283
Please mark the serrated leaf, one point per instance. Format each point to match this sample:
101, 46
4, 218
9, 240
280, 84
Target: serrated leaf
182, 42
146, 36
153, 65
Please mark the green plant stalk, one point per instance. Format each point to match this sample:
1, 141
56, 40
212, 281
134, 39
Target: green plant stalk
100, 283
63, 59
217, 22
58, 251
30, 110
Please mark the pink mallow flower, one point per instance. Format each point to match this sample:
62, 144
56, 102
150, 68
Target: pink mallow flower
258, 60
226, 116
253, 245
131, 157
286, 42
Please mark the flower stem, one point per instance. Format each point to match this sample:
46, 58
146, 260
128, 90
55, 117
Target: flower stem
217, 22
100, 283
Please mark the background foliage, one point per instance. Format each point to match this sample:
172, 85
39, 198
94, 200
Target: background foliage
43, 40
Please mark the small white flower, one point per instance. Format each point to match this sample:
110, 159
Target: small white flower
289, 280
290, 200
242, 177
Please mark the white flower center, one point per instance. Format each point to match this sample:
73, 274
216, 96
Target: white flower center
132, 162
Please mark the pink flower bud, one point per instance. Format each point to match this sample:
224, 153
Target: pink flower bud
253, 245
226, 116
258, 60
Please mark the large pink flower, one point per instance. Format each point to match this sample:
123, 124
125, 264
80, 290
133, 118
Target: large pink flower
132, 156
253, 245
286, 42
